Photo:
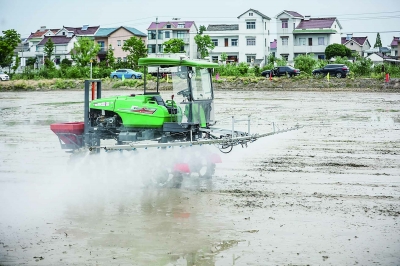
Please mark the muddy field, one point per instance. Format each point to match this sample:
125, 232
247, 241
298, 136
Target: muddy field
327, 194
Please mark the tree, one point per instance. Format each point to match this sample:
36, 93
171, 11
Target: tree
110, 57
336, 49
224, 56
85, 49
48, 51
174, 46
378, 42
49, 48
136, 48
8, 42
305, 63
202, 29
204, 44
17, 63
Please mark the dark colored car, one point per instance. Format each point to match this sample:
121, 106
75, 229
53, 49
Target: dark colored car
281, 71
336, 70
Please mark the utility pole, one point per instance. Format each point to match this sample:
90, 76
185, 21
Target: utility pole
156, 36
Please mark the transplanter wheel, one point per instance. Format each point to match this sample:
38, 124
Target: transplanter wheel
164, 178
207, 170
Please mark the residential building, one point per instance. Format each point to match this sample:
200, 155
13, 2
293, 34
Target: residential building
30, 49
395, 47
356, 44
160, 32
62, 47
379, 58
298, 34
63, 39
246, 41
382, 50
116, 37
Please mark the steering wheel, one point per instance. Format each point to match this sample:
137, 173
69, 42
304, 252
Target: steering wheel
184, 93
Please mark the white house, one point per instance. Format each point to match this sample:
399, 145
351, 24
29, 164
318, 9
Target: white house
356, 44
62, 47
299, 34
160, 32
247, 41
395, 47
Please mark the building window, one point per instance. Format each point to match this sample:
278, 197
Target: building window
152, 35
181, 25
285, 56
351, 44
321, 56
250, 25
284, 24
302, 41
124, 59
250, 14
214, 59
119, 43
181, 34
167, 34
251, 41
151, 48
285, 41
168, 26
234, 42
251, 58
321, 41
119, 59
160, 35
215, 42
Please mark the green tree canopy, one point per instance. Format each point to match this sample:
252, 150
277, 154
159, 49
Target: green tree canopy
336, 49
305, 63
8, 42
85, 49
48, 51
204, 44
174, 46
202, 29
224, 56
378, 42
49, 48
110, 57
136, 48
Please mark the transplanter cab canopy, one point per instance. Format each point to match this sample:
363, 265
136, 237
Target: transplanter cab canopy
192, 87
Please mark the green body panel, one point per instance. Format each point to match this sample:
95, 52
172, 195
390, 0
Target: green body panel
168, 62
138, 111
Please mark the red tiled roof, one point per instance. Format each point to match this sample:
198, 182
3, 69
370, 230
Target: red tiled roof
293, 13
39, 33
56, 40
359, 40
316, 23
78, 31
174, 24
395, 41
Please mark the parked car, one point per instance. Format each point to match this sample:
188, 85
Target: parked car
127, 73
281, 71
337, 70
4, 76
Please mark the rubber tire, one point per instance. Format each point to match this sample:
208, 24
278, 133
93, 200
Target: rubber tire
288, 75
133, 77
115, 77
208, 174
267, 76
338, 75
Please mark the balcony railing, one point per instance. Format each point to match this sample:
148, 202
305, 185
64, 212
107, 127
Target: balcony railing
309, 48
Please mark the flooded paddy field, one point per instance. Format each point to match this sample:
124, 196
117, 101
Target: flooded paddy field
326, 194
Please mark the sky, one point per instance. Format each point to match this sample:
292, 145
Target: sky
360, 17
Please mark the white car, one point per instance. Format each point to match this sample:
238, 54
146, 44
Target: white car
4, 76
